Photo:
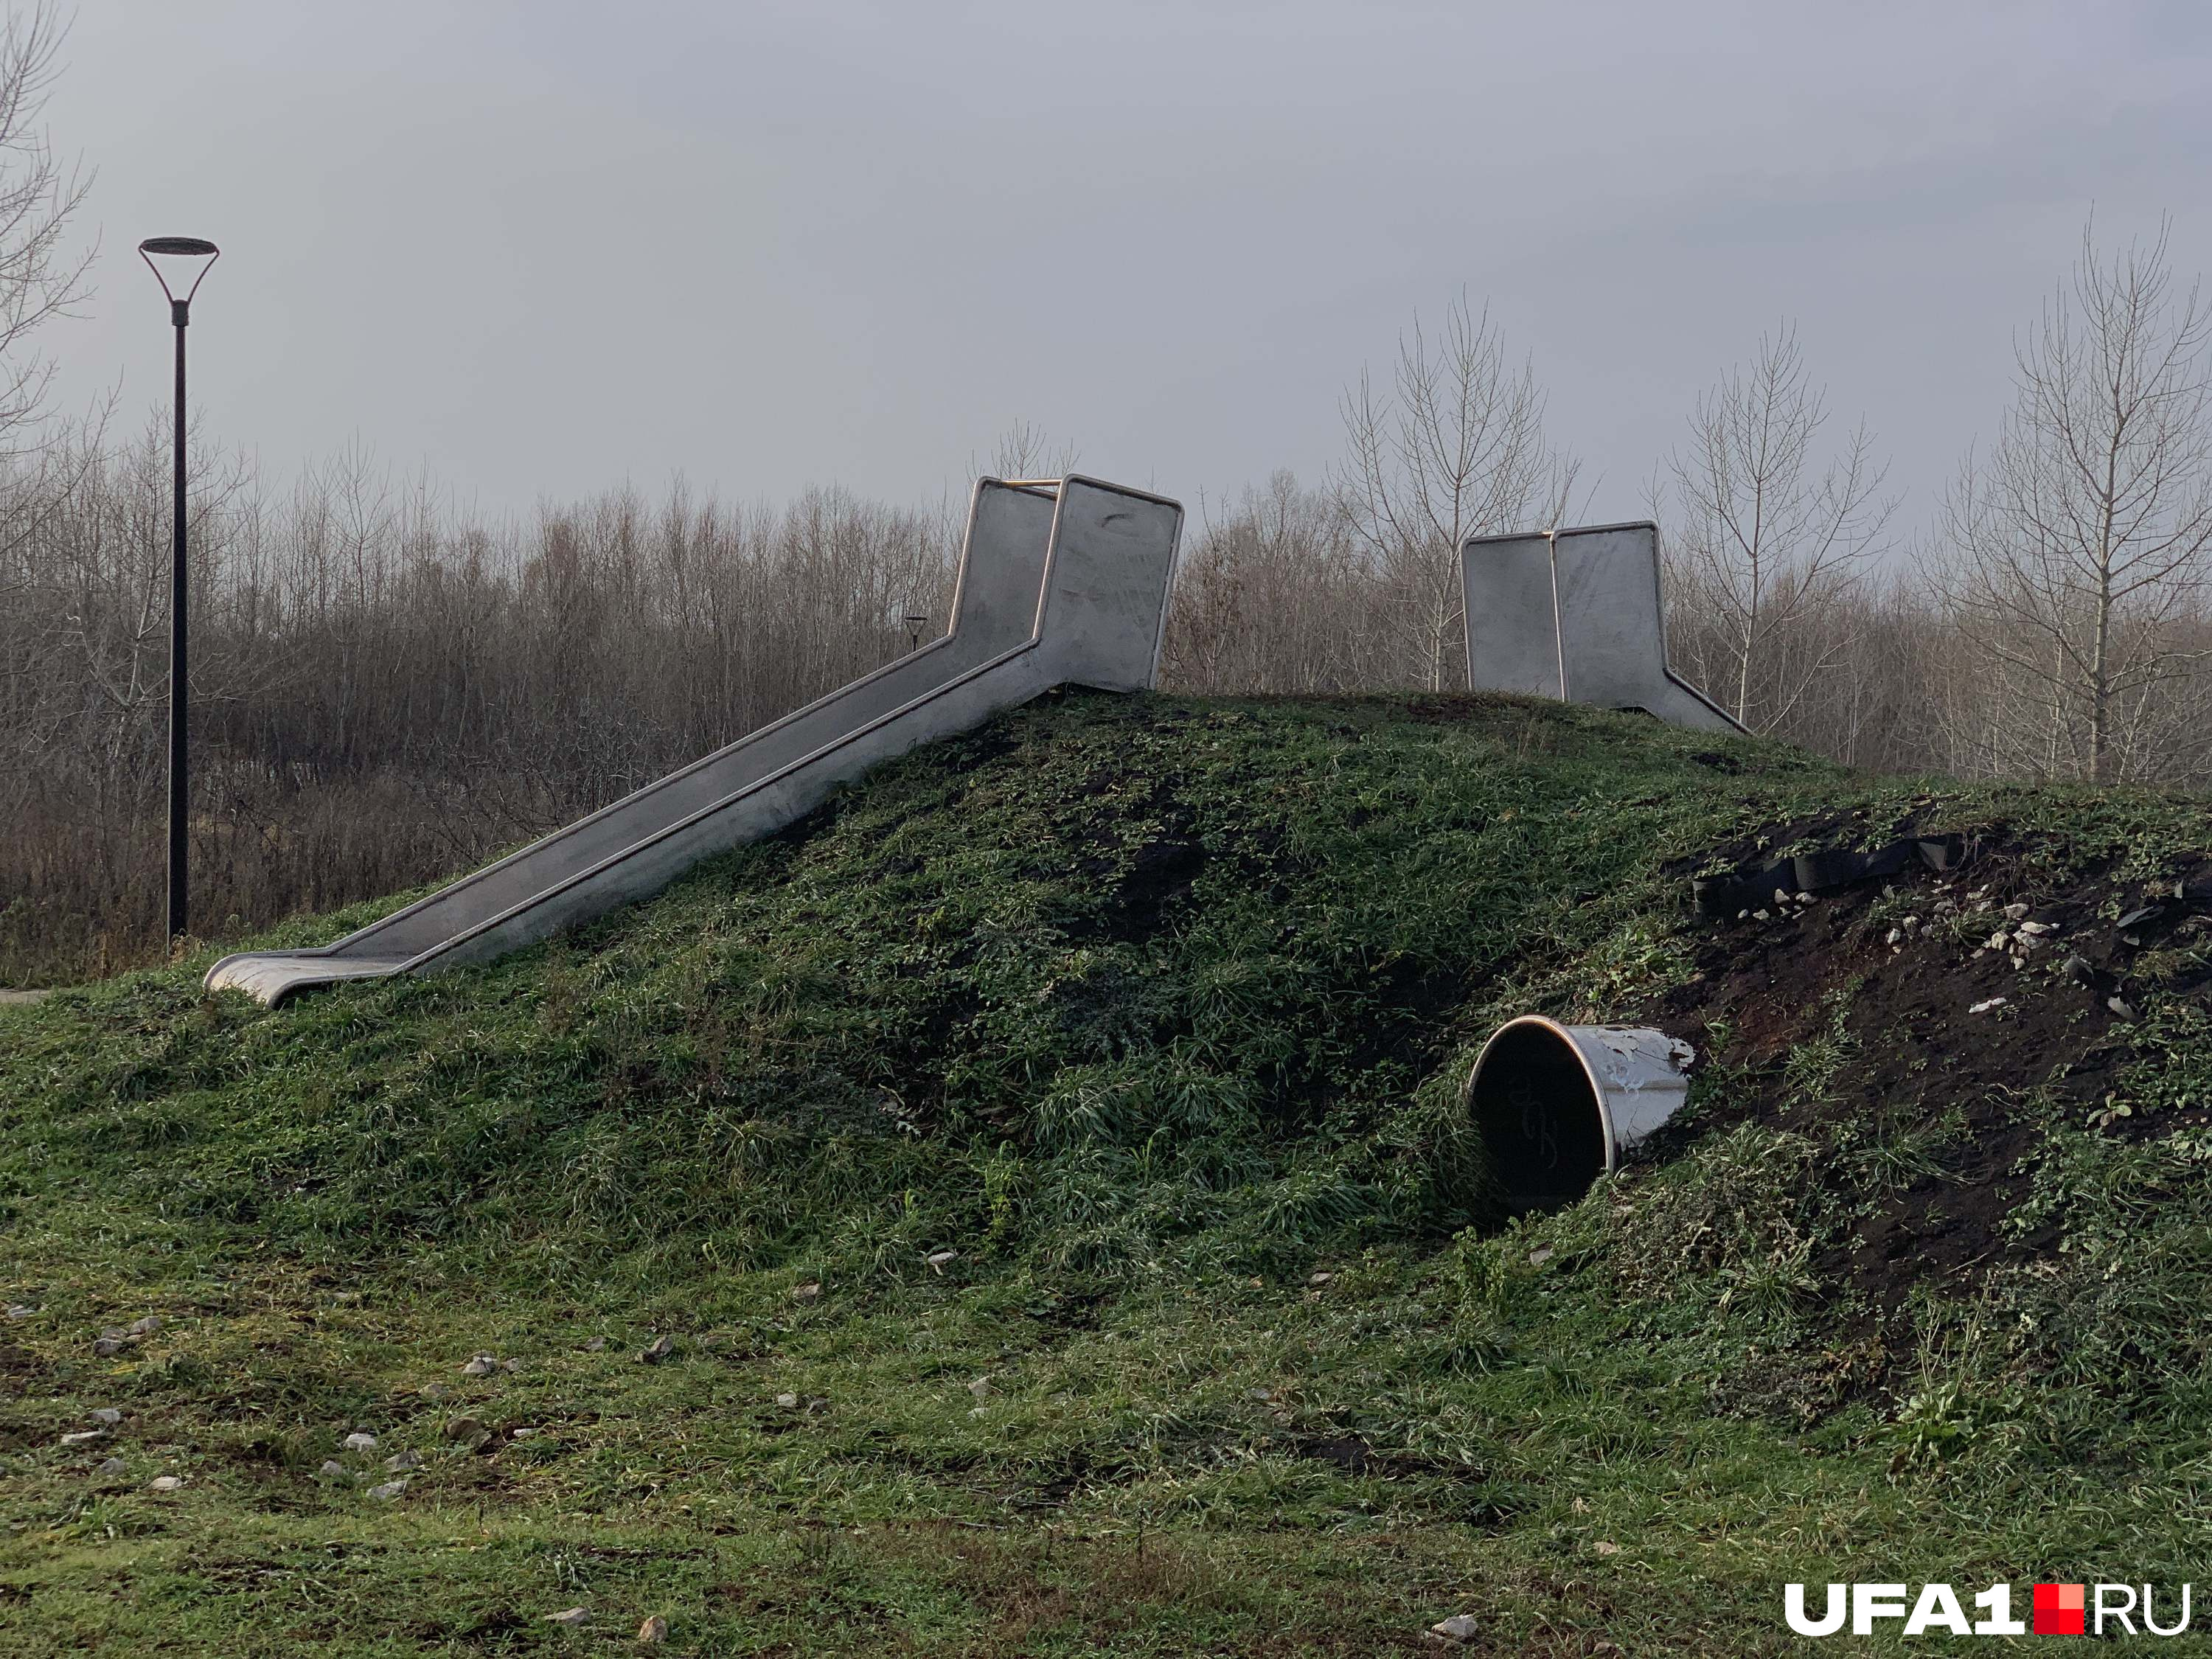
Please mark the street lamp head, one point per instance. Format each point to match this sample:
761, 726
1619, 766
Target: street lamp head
184, 247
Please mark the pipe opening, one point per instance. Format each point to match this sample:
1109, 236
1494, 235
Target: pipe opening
1538, 1115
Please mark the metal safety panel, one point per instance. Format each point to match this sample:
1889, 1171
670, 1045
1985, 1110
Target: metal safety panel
1576, 614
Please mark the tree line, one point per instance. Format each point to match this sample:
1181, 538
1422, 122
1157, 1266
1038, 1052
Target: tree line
383, 690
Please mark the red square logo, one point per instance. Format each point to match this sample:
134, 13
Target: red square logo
2059, 1609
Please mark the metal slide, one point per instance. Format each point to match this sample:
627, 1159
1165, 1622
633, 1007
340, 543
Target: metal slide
1062, 582
1575, 615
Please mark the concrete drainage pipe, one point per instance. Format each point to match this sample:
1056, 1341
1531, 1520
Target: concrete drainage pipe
1557, 1106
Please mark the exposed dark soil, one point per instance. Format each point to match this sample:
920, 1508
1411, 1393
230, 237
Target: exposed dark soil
1765, 984
1137, 861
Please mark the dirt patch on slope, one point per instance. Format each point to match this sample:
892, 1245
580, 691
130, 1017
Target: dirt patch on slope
1953, 998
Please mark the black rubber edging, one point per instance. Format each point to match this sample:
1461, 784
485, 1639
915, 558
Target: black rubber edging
1823, 872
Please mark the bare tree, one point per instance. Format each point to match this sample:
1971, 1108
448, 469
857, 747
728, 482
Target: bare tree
1455, 449
1024, 451
2078, 552
39, 279
1768, 536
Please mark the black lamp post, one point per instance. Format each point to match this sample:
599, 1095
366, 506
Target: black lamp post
190, 248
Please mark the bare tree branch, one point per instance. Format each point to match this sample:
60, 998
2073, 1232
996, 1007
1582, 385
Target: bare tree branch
1456, 448
2078, 552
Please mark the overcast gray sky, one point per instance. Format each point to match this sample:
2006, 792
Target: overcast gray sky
544, 247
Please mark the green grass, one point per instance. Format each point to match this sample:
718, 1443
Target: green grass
1151, 1010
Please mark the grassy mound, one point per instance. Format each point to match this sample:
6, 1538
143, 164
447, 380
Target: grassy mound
1155, 1014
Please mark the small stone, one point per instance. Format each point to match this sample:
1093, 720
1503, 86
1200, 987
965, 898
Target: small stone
146, 1327
568, 1617
80, 1436
807, 1292
1985, 1007
2014, 912
788, 1402
1263, 1394
332, 1469
465, 1429
164, 1483
2120, 1007
597, 1345
521, 1434
1460, 1627
1606, 1547
1999, 940
939, 1260
389, 1490
1319, 1278
1806, 898
105, 1414
2037, 929
482, 1364
981, 1388
20, 1310
1895, 936
1540, 1255
107, 1347
110, 1469
1781, 898
1911, 924
2077, 968
433, 1392
1743, 916
656, 1350
359, 1442
400, 1463
510, 1366
1762, 915
653, 1630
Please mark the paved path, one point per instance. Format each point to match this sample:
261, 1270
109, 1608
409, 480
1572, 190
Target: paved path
7, 997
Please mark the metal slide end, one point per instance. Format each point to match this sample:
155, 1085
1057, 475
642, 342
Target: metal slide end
1557, 1106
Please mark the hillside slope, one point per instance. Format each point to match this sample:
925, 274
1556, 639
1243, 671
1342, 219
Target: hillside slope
1154, 1013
